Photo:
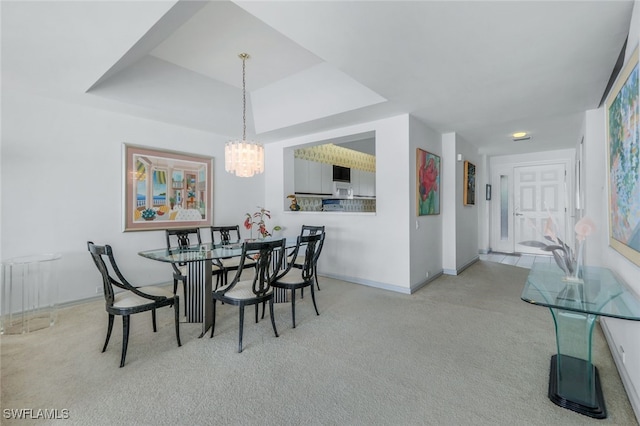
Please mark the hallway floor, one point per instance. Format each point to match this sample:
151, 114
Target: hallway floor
520, 260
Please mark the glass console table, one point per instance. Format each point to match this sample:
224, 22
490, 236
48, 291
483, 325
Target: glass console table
574, 382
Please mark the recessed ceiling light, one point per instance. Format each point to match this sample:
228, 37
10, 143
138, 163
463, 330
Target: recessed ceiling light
521, 136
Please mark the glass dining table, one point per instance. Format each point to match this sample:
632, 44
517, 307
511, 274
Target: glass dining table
199, 260
574, 382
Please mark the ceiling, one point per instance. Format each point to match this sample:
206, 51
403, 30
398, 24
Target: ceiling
481, 69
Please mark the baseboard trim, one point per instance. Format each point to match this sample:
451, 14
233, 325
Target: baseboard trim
632, 393
462, 268
424, 283
368, 283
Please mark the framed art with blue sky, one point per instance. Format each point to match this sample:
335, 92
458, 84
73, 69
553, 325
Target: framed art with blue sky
166, 189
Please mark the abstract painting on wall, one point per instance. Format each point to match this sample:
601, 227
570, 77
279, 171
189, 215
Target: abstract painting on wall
623, 137
427, 183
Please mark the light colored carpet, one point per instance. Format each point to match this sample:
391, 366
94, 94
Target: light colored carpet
463, 350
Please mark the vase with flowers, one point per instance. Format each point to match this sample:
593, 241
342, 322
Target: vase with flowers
570, 261
258, 219
148, 214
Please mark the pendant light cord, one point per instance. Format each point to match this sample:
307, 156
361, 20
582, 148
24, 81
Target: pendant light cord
244, 57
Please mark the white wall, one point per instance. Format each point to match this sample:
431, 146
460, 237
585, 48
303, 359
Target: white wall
460, 223
448, 202
484, 205
61, 186
425, 231
366, 248
466, 216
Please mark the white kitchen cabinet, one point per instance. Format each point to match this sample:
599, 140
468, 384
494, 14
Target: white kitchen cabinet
315, 177
310, 177
301, 175
355, 181
367, 184
326, 186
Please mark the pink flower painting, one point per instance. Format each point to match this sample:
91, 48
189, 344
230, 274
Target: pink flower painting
428, 183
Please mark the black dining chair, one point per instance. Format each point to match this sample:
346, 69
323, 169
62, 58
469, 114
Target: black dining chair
256, 289
230, 234
298, 261
132, 300
293, 278
180, 239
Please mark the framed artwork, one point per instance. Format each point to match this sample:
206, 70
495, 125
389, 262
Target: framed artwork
469, 196
166, 189
623, 136
427, 183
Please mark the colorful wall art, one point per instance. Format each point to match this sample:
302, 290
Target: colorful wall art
623, 138
166, 189
428, 183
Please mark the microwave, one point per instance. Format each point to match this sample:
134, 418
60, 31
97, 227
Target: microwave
341, 174
342, 190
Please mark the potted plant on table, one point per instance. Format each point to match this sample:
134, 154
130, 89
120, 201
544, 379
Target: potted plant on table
259, 218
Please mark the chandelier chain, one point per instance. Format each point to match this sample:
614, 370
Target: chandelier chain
242, 157
244, 99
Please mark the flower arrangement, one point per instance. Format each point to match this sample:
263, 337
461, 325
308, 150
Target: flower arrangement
258, 218
566, 259
148, 214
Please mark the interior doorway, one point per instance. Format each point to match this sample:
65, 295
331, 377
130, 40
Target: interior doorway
538, 195
526, 196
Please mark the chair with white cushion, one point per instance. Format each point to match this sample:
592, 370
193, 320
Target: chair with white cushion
256, 289
293, 278
132, 300
298, 261
229, 234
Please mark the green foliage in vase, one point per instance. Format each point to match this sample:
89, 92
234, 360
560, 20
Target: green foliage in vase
259, 218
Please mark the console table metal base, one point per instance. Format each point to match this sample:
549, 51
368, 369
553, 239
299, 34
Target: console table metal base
576, 364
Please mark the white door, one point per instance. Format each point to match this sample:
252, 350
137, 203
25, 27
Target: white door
538, 193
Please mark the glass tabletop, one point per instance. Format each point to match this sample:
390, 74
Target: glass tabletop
203, 251
36, 258
599, 293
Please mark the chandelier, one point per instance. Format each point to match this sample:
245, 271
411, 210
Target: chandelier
242, 157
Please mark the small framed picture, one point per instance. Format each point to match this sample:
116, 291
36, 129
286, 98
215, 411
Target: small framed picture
469, 184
